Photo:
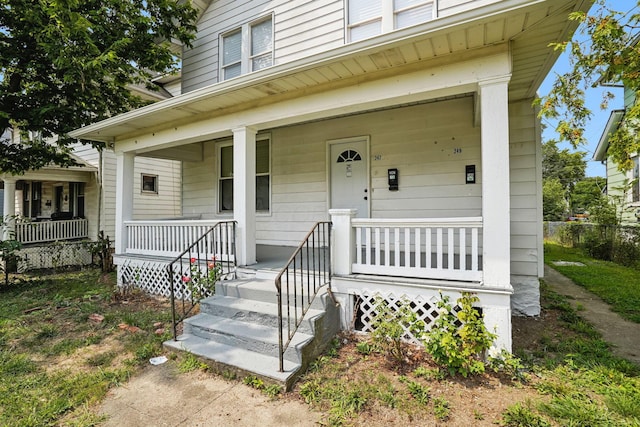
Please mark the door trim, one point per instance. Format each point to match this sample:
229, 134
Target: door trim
329, 162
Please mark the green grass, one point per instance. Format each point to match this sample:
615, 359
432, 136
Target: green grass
44, 321
619, 286
579, 382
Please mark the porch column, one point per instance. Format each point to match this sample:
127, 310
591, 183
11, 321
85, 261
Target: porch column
494, 110
342, 241
9, 200
244, 193
124, 197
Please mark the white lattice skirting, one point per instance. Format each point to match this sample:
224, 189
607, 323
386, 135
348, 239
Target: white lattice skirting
426, 308
149, 276
152, 277
53, 255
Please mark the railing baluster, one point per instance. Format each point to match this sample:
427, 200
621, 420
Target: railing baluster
433, 248
196, 250
451, 250
300, 275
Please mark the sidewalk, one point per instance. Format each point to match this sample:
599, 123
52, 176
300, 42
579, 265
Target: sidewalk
160, 396
622, 334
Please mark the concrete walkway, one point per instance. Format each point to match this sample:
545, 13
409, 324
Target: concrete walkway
622, 334
161, 396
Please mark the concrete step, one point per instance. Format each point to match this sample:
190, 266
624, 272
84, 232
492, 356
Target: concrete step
253, 311
249, 336
256, 289
241, 361
239, 325
248, 288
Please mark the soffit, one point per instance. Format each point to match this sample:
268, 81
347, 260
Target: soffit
529, 27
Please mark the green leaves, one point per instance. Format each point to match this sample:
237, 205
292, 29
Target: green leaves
607, 52
65, 64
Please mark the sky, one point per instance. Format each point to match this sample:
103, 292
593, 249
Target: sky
594, 129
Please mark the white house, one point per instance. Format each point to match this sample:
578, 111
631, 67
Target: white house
407, 124
71, 205
623, 188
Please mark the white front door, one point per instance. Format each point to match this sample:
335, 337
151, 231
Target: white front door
349, 176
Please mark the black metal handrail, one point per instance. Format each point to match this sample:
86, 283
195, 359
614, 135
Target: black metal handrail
308, 269
194, 273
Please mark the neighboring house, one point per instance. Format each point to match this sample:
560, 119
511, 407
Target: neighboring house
623, 188
409, 125
71, 205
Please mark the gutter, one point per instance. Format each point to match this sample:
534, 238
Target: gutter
364, 47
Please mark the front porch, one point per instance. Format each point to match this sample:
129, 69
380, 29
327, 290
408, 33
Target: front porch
415, 258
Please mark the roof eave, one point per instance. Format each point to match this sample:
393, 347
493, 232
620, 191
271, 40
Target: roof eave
600, 152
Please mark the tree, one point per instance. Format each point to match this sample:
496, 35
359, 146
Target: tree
607, 52
554, 205
563, 165
587, 193
67, 63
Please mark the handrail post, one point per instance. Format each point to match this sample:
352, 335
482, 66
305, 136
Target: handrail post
280, 325
173, 300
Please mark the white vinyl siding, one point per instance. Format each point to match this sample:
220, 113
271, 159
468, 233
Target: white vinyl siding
429, 144
451, 7
368, 18
248, 48
293, 38
525, 190
165, 204
263, 176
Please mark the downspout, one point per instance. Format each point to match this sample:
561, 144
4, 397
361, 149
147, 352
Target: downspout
99, 182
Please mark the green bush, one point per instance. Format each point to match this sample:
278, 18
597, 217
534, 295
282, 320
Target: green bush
458, 339
570, 234
392, 325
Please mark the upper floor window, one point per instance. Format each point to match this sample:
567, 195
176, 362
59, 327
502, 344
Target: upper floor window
368, 18
248, 48
263, 176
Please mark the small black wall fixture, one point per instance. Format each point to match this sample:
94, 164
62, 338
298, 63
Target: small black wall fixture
470, 174
392, 175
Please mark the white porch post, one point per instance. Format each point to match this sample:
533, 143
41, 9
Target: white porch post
124, 197
496, 242
244, 192
495, 182
342, 241
9, 200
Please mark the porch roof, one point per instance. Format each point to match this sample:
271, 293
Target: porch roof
529, 26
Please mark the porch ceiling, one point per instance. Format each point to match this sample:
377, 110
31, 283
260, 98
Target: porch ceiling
529, 26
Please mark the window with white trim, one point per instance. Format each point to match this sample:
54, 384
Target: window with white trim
149, 183
263, 176
368, 18
246, 49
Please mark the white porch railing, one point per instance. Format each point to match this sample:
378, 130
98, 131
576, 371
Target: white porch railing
442, 248
50, 231
169, 238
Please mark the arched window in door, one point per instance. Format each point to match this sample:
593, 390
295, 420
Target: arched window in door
349, 156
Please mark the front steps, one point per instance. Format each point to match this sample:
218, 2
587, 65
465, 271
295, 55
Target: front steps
236, 330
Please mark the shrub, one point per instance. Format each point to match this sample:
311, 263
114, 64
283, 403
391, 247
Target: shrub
459, 338
392, 325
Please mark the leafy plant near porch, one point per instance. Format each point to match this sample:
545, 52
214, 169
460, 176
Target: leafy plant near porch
201, 283
393, 323
458, 339
9, 248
